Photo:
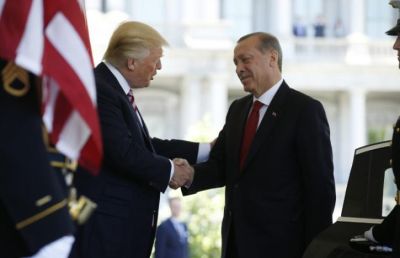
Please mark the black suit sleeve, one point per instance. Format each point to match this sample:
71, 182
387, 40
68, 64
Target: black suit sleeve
124, 147
385, 232
177, 149
315, 158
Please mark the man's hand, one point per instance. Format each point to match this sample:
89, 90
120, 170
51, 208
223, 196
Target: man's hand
183, 175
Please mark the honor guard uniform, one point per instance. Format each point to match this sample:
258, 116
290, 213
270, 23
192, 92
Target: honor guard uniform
33, 204
388, 232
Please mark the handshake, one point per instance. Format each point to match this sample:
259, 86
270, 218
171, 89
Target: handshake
183, 175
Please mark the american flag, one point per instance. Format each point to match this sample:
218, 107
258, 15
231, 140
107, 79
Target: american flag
50, 39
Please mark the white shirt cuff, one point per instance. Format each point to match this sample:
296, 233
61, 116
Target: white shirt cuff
204, 152
171, 173
369, 235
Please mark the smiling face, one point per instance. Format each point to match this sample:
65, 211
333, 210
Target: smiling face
256, 70
143, 71
396, 46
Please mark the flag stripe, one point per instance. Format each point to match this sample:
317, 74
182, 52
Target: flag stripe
50, 93
77, 18
58, 31
2, 2
12, 26
61, 71
50, 39
30, 55
62, 110
83, 106
89, 150
73, 137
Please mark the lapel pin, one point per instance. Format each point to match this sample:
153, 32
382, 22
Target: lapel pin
274, 114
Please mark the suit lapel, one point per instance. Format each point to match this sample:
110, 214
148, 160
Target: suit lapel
144, 131
271, 117
173, 229
113, 82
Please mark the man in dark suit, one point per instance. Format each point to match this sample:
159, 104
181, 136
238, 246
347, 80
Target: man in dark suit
172, 234
388, 232
34, 217
279, 184
133, 174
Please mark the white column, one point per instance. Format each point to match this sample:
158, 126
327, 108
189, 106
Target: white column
190, 103
216, 101
346, 150
358, 120
357, 52
197, 11
273, 16
352, 129
282, 18
172, 26
357, 14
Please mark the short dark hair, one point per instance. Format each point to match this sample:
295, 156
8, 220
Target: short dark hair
267, 42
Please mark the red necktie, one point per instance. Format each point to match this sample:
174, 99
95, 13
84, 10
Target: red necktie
142, 125
250, 131
132, 100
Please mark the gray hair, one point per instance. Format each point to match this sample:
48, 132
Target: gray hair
267, 42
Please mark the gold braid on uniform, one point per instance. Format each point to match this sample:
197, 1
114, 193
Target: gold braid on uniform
15, 80
41, 215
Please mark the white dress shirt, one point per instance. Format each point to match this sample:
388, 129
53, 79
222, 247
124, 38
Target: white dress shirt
266, 99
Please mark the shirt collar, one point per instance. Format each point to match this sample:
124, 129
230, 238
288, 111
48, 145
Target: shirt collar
121, 80
267, 96
174, 220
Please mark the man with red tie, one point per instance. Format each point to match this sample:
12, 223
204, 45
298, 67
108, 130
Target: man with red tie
136, 167
274, 158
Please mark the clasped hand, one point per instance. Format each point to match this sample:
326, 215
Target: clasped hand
183, 174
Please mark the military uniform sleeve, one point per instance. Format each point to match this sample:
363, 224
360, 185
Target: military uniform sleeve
33, 206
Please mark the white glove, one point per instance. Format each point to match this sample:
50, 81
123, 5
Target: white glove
57, 249
368, 235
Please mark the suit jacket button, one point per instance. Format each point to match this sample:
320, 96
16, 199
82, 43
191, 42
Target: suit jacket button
390, 162
398, 130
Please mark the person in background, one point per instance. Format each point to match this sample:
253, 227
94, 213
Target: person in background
273, 156
338, 29
172, 234
136, 167
320, 27
299, 28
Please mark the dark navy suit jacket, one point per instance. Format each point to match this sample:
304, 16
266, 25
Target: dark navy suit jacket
169, 243
285, 194
128, 187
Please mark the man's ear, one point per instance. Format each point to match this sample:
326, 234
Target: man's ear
130, 64
274, 57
